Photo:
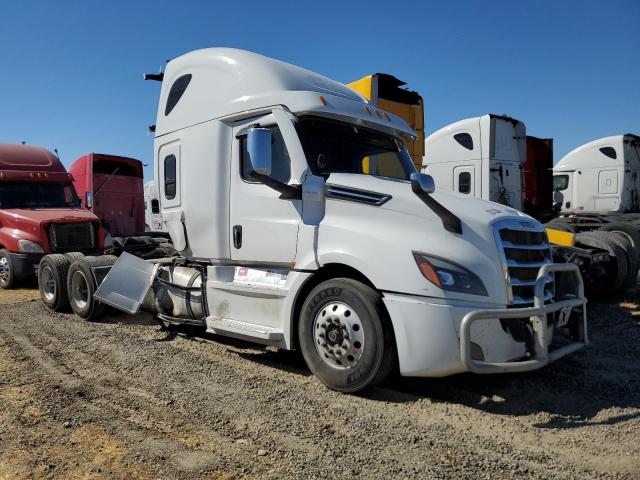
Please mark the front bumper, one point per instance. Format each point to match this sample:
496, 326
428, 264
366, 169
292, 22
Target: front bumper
435, 338
25, 265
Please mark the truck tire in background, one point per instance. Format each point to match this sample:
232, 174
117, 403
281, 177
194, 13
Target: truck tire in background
81, 286
345, 336
629, 231
623, 242
616, 269
52, 281
7, 274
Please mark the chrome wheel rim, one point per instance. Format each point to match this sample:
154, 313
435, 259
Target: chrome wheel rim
5, 270
48, 284
79, 289
338, 335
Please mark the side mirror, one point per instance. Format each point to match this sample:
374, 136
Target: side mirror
314, 194
259, 147
421, 182
88, 200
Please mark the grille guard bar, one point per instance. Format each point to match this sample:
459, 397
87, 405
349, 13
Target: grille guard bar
538, 316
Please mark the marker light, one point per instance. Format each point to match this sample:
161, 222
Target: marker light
378, 114
366, 109
386, 115
323, 100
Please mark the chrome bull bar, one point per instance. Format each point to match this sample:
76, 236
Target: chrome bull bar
538, 316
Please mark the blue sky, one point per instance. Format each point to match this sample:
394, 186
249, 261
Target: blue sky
71, 71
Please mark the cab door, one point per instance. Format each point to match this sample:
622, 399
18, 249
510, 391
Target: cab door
263, 227
464, 180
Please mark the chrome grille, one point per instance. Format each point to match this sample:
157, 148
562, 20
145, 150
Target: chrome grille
72, 237
524, 248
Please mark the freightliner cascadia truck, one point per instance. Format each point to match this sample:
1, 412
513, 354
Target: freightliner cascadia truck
40, 213
272, 189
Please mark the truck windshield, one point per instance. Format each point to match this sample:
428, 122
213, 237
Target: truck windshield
338, 147
38, 195
560, 182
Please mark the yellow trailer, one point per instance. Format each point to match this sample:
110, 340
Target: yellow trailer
384, 91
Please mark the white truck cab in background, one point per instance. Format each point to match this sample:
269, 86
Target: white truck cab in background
601, 176
480, 157
152, 216
302, 223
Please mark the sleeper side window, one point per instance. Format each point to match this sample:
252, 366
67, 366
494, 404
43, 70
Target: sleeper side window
175, 94
155, 206
170, 177
280, 161
609, 152
465, 140
464, 182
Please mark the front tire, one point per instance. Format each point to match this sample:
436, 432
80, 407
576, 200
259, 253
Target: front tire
7, 272
345, 336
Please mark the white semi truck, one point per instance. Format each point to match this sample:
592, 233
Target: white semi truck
301, 222
480, 157
600, 177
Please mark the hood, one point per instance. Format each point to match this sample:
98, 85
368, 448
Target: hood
382, 219
474, 213
24, 218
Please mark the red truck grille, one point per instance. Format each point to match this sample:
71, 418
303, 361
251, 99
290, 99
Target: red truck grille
72, 237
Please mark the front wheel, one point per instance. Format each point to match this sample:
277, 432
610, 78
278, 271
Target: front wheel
7, 273
345, 336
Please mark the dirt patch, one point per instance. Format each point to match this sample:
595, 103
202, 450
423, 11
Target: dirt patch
122, 399
9, 297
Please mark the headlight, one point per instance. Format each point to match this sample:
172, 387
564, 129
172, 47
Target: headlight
449, 276
27, 246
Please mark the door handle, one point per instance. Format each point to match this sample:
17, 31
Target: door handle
237, 236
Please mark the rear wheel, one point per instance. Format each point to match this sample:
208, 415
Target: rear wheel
52, 281
7, 273
345, 336
629, 231
81, 286
626, 244
616, 269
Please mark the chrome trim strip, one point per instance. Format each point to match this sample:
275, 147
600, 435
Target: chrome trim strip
507, 263
337, 192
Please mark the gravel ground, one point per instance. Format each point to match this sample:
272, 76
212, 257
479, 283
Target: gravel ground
121, 399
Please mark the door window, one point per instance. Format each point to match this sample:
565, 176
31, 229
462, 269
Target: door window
280, 160
560, 182
170, 177
464, 182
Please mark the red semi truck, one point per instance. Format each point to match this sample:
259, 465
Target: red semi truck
537, 178
40, 213
112, 187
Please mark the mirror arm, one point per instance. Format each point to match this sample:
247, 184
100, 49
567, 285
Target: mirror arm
450, 222
288, 192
